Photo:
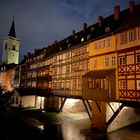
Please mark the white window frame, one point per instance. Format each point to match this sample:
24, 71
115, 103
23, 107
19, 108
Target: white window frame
132, 35
108, 42
123, 38
106, 62
122, 60
113, 61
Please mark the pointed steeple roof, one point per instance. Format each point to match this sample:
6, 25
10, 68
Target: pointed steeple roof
12, 32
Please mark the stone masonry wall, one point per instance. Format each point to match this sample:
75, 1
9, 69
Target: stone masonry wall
126, 117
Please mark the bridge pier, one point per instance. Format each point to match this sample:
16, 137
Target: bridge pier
110, 116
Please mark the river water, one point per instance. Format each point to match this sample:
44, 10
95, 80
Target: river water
65, 126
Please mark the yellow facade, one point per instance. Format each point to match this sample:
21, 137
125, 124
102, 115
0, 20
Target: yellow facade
103, 56
100, 51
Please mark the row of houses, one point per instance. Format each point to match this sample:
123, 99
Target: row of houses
99, 63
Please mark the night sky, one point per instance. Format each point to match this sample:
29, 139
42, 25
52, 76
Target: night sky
40, 22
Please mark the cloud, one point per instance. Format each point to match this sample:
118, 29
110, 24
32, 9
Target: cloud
40, 22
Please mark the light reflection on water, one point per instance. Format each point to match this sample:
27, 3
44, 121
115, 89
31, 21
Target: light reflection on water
72, 132
41, 127
15, 129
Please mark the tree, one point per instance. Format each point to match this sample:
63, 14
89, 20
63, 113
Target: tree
4, 98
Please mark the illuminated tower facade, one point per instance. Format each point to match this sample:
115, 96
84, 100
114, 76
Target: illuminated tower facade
10, 53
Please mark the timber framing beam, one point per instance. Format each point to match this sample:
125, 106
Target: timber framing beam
98, 106
87, 109
62, 104
89, 105
114, 115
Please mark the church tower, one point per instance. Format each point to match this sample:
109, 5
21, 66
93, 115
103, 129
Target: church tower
10, 52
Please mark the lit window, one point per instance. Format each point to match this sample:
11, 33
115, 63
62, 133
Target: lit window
122, 84
95, 46
122, 60
99, 45
103, 43
138, 58
104, 83
106, 62
80, 83
107, 29
132, 35
95, 64
92, 29
108, 44
123, 38
82, 39
74, 84
98, 83
113, 61
60, 48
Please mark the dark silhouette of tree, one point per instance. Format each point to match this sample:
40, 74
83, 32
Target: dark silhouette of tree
4, 98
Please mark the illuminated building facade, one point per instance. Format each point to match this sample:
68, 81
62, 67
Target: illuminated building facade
101, 63
10, 52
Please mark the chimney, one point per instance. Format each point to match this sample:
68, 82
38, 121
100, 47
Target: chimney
100, 20
84, 27
73, 32
117, 12
131, 6
55, 41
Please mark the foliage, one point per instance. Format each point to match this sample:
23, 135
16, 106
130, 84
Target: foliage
4, 98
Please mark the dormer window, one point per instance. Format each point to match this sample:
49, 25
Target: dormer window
82, 39
76, 37
92, 29
60, 48
107, 29
88, 36
67, 41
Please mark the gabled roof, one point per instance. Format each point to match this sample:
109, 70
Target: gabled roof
94, 32
12, 32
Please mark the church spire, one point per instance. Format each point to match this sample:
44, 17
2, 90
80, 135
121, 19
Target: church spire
12, 32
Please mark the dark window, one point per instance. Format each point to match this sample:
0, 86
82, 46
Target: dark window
122, 60
6, 46
138, 58
14, 47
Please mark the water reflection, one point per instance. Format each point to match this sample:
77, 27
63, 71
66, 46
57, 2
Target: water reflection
15, 128
70, 132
